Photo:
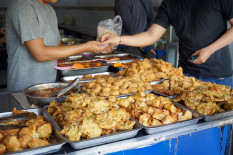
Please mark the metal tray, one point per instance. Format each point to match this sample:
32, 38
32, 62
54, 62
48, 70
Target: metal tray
44, 149
75, 57
161, 94
66, 79
98, 140
214, 117
110, 53
74, 72
117, 56
162, 128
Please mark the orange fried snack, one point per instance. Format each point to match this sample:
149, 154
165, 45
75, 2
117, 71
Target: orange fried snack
77, 66
119, 65
15, 111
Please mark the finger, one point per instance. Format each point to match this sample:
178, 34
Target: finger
196, 61
104, 37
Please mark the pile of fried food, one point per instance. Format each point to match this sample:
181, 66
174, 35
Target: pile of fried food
151, 110
36, 134
115, 86
208, 98
177, 85
82, 116
85, 77
153, 70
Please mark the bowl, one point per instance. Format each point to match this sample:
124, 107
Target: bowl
44, 101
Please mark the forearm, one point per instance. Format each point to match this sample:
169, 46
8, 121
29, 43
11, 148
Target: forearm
54, 53
145, 38
223, 41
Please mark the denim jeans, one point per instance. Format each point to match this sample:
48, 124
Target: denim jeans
227, 82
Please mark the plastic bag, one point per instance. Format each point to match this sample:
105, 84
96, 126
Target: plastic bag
110, 25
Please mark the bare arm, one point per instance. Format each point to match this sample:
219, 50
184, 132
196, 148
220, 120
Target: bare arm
206, 52
143, 39
46, 53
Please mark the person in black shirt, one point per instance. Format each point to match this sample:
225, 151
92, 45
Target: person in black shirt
137, 16
201, 26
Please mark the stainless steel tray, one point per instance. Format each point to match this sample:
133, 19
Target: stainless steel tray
73, 72
121, 61
161, 94
110, 53
68, 78
44, 149
98, 140
162, 128
117, 56
214, 117
75, 57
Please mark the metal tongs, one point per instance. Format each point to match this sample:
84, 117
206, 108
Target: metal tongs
67, 88
4, 122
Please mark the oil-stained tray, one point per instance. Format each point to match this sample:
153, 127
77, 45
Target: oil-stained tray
159, 93
98, 140
214, 117
44, 149
117, 56
69, 78
74, 72
162, 128
79, 58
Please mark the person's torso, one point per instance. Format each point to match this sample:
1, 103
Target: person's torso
138, 15
23, 69
199, 23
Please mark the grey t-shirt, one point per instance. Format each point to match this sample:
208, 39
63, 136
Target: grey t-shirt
27, 20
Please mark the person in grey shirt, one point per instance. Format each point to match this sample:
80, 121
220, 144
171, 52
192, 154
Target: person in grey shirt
33, 44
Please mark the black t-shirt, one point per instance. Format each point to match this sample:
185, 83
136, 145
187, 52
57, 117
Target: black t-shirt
137, 15
198, 23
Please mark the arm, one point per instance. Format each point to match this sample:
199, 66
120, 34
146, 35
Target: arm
224, 40
139, 40
46, 53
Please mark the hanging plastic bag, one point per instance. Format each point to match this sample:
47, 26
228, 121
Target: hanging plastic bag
110, 25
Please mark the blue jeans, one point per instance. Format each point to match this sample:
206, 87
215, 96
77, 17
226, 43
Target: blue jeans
227, 82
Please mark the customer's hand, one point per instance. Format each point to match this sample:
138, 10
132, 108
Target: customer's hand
97, 47
203, 55
2, 31
109, 38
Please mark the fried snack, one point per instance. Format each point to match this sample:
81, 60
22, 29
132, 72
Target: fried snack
177, 85
24, 140
151, 110
37, 143
12, 143
92, 116
28, 137
2, 148
153, 70
115, 86
207, 99
45, 130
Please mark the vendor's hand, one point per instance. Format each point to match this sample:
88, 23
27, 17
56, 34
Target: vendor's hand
203, 55
2, 31
109, 38
97, 47
153, 51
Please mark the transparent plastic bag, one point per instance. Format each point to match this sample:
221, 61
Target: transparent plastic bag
110, 25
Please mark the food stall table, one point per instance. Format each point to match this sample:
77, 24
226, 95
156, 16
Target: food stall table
202, 138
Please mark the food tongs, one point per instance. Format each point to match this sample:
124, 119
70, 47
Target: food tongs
8, 122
